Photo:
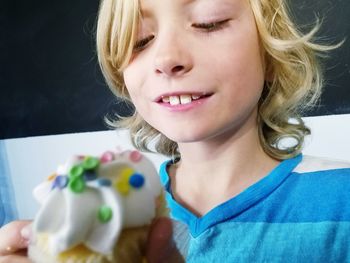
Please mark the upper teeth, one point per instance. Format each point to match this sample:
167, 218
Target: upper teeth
182, 99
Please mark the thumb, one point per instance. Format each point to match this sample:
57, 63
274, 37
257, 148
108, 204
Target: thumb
14, 237
160, 245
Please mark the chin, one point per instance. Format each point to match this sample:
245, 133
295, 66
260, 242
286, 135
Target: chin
187, 136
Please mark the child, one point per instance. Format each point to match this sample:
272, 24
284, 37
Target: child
218, 86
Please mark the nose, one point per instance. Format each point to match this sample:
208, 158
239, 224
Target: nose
173, 57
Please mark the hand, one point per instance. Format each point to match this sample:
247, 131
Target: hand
161, 247
14, 239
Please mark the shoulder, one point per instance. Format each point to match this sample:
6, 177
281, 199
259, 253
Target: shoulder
318, 174
319, 189
313, 164
322, 177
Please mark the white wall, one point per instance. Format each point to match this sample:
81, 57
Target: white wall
30, 160
330, 136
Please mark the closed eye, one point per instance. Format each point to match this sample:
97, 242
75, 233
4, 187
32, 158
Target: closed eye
212, 26
207, 27
142, 43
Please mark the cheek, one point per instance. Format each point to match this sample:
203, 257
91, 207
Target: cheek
136, 78
244, 76
250, 69
133, 85
130, 82
135, 74
136, 89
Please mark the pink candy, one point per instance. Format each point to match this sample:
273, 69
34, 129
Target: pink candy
135, 156
107, 157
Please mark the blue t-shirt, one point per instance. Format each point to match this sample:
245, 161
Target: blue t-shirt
299, 212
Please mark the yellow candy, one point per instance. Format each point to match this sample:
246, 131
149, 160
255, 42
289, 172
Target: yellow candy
125, 174
122, 187
122, 184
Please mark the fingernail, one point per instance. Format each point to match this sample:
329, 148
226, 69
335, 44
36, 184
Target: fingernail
26, 232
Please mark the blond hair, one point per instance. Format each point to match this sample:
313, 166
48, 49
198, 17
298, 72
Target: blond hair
294, 83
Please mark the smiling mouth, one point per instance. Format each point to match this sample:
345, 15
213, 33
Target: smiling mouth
182, 99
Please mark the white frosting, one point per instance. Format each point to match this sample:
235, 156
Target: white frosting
71, 218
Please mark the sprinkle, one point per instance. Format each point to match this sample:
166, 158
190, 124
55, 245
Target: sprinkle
61, 181
104, 182
122, 187
137, 180
76, 184
89, 175
51, 177
135, 156
105, 214
107, 157
76, 171
125, 174
90, 163
122, 184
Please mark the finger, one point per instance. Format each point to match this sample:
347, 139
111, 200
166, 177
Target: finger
160, 234
11, 239
14, 258
160, 245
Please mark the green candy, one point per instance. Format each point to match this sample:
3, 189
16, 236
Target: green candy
77, 185
90, 163
105, 214
76, 171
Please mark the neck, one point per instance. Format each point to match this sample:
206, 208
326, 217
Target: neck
213, 171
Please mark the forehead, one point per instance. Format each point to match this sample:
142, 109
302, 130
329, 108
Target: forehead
145, 2
148, 7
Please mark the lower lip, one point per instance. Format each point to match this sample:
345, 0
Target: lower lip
184, 107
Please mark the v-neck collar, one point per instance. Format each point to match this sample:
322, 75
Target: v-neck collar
231, 207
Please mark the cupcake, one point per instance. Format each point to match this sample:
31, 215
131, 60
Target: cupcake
97, 209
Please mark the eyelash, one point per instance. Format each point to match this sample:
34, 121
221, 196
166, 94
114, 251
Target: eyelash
139, 45
206, 27
212, 26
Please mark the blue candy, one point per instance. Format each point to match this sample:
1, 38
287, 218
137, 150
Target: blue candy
61, 181
89, 175
104, 182
137, 180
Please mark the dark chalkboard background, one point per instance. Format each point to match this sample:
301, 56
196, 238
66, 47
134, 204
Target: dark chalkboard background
50, 81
